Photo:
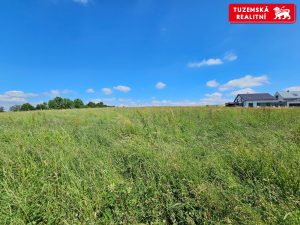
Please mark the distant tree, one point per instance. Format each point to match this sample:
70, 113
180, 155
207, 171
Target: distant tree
55, 103
42, 106
68, 104
91, 105
61, 103
15, 108
1, 109
26, 107
100, 105
78, 103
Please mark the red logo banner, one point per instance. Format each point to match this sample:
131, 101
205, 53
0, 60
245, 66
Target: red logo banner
262, 13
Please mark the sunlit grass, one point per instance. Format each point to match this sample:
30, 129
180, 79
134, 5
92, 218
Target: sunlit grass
150, 165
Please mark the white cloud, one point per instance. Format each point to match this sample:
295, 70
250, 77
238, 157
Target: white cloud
105, 100
107, 91
10, 98
242, 91
173, 103
83, 2
16, 96
160, 85
209, 99
245, 82
122, 88
213, 99
216, 94
56, 93
90, 90
208, 62
295, 88
212, 83
20, 94
230, 56
128, 102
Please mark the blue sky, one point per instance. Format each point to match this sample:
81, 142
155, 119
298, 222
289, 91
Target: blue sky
140, 52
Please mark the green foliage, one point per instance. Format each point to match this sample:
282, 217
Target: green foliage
197, 165
96, 105
78, 103
57, 103
1, 109
27, 107
91, 105
68, 104
61, 103
15, 108
42, 106
100, 105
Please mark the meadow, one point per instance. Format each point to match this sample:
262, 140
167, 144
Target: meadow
172, 165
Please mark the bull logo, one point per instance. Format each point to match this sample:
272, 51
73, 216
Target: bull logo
282, 13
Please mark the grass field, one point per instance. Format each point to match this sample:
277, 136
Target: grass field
150, 166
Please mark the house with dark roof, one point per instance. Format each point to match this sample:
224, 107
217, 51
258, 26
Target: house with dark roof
255, 100
288, 98
281, 99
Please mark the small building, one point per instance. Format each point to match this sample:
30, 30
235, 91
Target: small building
288, 98
255, 100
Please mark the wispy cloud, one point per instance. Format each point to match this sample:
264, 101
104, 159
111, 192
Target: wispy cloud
208, 62
294, 88
16, 96
242, 91
90, 90
160, 85
55, 93
173, 103
212, 83
128, 102
10, 98
122, 88
105, 100
213, 99
82, 2
107, 91
209, 99
245, 82
230, 56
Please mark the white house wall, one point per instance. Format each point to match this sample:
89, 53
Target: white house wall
246, 103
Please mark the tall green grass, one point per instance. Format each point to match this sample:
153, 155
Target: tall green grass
150, 166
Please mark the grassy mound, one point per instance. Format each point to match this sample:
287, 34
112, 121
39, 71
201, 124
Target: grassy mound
150, 166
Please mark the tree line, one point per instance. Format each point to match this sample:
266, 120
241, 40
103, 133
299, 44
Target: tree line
56, 103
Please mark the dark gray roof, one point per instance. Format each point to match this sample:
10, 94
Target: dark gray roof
257, 97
